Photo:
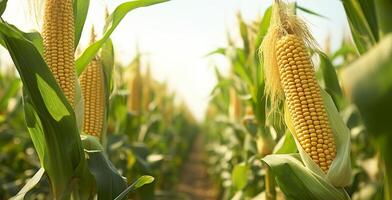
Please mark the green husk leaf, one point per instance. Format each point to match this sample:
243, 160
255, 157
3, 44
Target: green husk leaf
298, 182
331, 81
339, 173
286, 144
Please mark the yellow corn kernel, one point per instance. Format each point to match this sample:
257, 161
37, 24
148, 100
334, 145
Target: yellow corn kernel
58, 37
304, 100
92, 84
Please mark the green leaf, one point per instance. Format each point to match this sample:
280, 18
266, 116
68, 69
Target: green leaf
31, 183
264, 25
383, 12
3, 6
298, 182
244, 33
221, 51
143, 180
345, 49
112, 22
109, 182
240, 67
240, 176
286, 144
221, 84
369, 10
56, 129
52, 101
80, 13
35, 128
34, 37
368, 82
330, 78
360, 18
310, 12
9, 92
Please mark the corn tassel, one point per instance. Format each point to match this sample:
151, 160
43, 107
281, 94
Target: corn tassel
58, 37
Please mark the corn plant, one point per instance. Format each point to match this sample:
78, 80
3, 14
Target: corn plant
308, 156
75, 163
238, 108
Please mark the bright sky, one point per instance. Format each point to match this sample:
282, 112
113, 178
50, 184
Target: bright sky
178, 34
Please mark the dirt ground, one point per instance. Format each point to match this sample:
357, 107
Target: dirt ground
195, 183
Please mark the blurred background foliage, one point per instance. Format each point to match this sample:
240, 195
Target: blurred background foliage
149, 132
152, 138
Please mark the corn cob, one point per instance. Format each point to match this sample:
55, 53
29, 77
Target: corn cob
235, 105
58, 37
92, 84
147, 89
91, 81
304, 100
135, 86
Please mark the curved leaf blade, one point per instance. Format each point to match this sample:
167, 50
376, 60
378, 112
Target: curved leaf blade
143, 180
368, 81
361, 26
31, 183
331, 80
3, 6
113, 21
63, 151
80, 12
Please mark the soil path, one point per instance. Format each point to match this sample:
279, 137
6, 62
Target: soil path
194, 181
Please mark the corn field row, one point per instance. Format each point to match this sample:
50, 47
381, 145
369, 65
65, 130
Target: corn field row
291, 120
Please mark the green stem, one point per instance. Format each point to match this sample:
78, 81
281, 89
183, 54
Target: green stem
386, 150
270, 192
383, 12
